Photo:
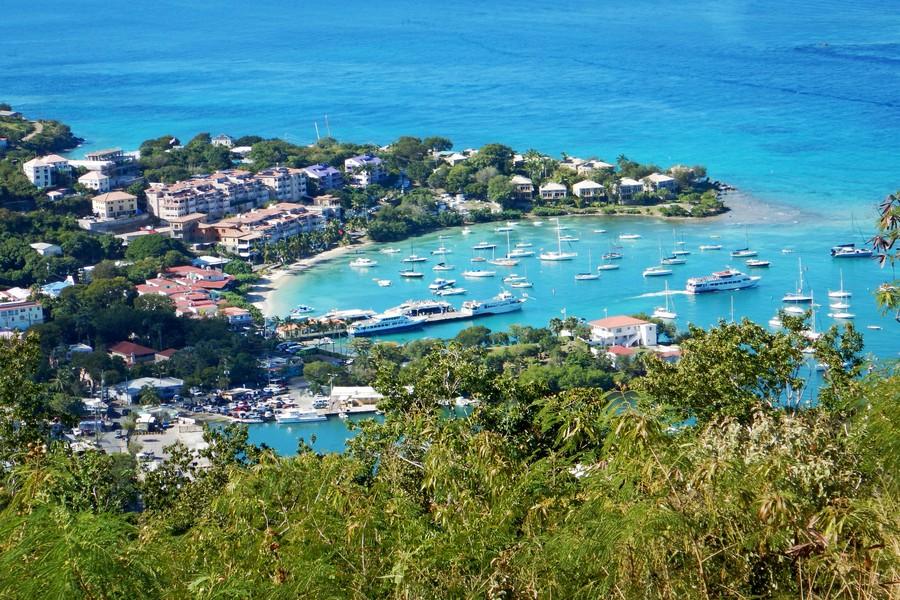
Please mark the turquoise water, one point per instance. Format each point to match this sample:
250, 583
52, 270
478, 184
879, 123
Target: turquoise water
323, 436
792, 101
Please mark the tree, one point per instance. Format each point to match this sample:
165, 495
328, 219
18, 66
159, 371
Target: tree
154, 246
501, 191
437, 143
476, 335
885, 243
494, 155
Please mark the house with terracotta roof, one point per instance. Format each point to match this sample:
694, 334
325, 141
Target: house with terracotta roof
131, 353
236, 316
624, 331
164, 355
114, 205
202, 277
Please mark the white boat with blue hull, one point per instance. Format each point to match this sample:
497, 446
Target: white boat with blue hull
385, 323
727, 280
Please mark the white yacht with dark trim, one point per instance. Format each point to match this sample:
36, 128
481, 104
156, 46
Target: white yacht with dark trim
727, 280
385, 323
503, 302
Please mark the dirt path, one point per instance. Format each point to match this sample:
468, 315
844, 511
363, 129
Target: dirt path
38, 128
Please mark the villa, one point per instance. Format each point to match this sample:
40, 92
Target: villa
325, 177
364, 170
588, 190
657, 181
629, 188
236, 316
95, 180
222, 140
623, 331
114, 205
523, 186
589, 167
43, 172
553, 191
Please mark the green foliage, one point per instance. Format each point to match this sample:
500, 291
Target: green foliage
155, 246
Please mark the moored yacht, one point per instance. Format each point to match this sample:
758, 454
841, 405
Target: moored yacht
484, 246
385, 323
442, 267
664, 312
415, 258
298, 415
798, 296
479, 273
672, 260
850, 251
743, 253
558, 254
840, 292
363, 262
705, 247
657, 271
630, 236
504, 302
420, 308
411, 274
440, 283
727, 280
450, 291
755, 263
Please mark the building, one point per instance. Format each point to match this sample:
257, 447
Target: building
588, 190
164, 355
20, 315
44, 171
553, 191
589, 167
347, 396
215, 195
364, 170
236, 316
131, 353
165, 387
193, 290
10, 114
95, 180
55, 288
246, 233
114, 205
324, 176
45, 249
187, 228
113, 155
286, 185
657, 181
523, 186
222, 140
623, 331
628, 189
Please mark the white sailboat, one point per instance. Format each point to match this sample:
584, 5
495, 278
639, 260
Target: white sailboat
588, 275
841, 292
799, 296
664, 312
558, 254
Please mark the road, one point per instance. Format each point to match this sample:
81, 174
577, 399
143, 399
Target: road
38, 128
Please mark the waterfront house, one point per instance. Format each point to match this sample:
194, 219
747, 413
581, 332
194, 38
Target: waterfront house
131, 353
222, 140
588, 190
114, 205
523, 186
364, 170
324, 176
657, 181
45, 249
20, 315
624, 331
553, 191
95, 180
628, 189
572, 163
589, 167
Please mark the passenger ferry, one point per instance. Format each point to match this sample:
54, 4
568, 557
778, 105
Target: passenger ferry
385, 323
850, 251
504, 302
729, 279
420, 308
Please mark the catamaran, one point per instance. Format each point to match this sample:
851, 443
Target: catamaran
664, 312
798, 297
850, 251
841, 292
557, 255
588, 275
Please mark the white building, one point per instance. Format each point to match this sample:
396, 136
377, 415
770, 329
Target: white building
114, 205
287, 185
524, 188
587, 189
364, 170
223, 140
592, 166
657, 181
20, 315
347, 396
623, 331
42, 171
553, 191
165, 387
628, 189
45, 249
95, 180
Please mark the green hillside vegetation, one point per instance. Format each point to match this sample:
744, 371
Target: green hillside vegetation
583, 493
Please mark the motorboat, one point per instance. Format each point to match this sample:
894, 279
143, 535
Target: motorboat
441, 251
727, 280
630, 236
874, 327
607, 267
794, 310
383, 282
524, 245
681, 252
657, 271
478, 259
439, 284
839, 305
537, 223
612, 256
787, 250
363, 262
479, 273
466, 230
599, 231
302, 309
450, 291
757, 264
842, 315
775, 322
504, 262
705, 247
514, 277
569, 238
743, 253
850, 251
520, 253
665, 312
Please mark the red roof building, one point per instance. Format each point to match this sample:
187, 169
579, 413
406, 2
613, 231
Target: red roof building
132, 354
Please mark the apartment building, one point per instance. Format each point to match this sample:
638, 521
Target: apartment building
215, 195
364, 170
95, 180
114, 205
43, 171
324, 176
287, 185
244, 234
20, 315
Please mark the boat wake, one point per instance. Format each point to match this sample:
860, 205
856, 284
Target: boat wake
661, 294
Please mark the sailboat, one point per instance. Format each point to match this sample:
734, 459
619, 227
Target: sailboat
744, 252
558, 255
588, 275
664, 312
841, 292
659, 271
413, 257
798, 297
506, 261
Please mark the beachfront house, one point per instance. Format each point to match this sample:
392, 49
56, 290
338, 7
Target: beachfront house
588, 190
553, 191
114, 205
657, 181
523, 186
364, 170
628, 189
623, 331
95, 180
325, 177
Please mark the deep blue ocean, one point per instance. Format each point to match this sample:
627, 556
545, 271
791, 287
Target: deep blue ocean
796, 103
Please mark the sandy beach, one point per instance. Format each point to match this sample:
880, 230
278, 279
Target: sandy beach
272, 280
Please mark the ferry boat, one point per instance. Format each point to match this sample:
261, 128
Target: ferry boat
479, 273
348, 315
850, 251
729, 279
657, 271
440, 283
743, 253
421, 308
297, 415
385, 323
757, 264
362, 261
629, 236
484, 246
504, 302
411, 274
451, 291
705, 247
415, 258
